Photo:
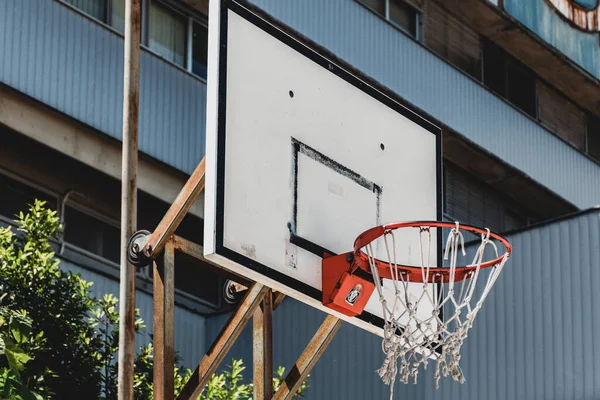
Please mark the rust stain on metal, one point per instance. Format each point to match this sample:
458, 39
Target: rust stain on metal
278, 299
262, 345
129, 166
182, 204
577, 15
169, 320
164, 326
307, 360
158, 332
229, 334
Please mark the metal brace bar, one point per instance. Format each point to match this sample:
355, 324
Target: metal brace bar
308, 358
277, 299
182, 204
164, 326
262, 335
229, 334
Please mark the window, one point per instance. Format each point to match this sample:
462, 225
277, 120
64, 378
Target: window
94, 8
111, 12
452, 39
17, 196
398, 12
510, 79
561, 116
593, 137
92, 234
475, 203
170, 34
199, 49
167, 31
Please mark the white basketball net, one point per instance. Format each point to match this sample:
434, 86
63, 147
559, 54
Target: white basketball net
411, 339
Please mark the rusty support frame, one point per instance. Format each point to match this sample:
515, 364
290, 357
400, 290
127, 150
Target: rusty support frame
262, 346
308, 358
229, 334
164, 325
250, 306
277, 299
182, 204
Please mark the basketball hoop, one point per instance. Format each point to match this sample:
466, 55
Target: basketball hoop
410, 337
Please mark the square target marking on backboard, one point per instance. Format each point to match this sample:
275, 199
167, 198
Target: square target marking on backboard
339, 198
302, 157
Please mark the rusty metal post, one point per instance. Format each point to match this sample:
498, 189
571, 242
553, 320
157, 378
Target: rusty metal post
131, 93
277, 299
229, 334
164, 326
308, 358
182, 204
158, 358
262, 340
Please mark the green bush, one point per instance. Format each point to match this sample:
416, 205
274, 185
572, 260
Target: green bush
16, 346
58, 341
58, 303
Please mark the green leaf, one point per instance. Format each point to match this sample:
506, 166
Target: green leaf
15, 356
24, 392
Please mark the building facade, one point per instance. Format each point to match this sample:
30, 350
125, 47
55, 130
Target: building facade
514, 85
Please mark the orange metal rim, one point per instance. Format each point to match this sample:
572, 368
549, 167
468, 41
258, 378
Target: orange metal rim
414, 273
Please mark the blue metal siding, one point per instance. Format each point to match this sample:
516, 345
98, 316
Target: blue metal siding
190, 328
581, 47
533, 339
63, 59
376, 48
535, 336
347, 368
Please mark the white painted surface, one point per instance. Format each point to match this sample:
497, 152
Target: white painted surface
331, 116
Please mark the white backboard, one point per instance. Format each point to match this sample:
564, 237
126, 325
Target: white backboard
302, 157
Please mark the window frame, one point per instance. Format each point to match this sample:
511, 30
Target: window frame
588, 133
508, 61
91, 213
10, 175
144, 33
418, 36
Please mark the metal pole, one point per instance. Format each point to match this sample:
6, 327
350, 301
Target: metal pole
262, 335
164, 325
131, 79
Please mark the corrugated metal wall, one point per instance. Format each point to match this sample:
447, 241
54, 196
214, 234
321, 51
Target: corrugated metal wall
190, 328
581, 47
533, 339
63, 59
375, 47
347, 368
